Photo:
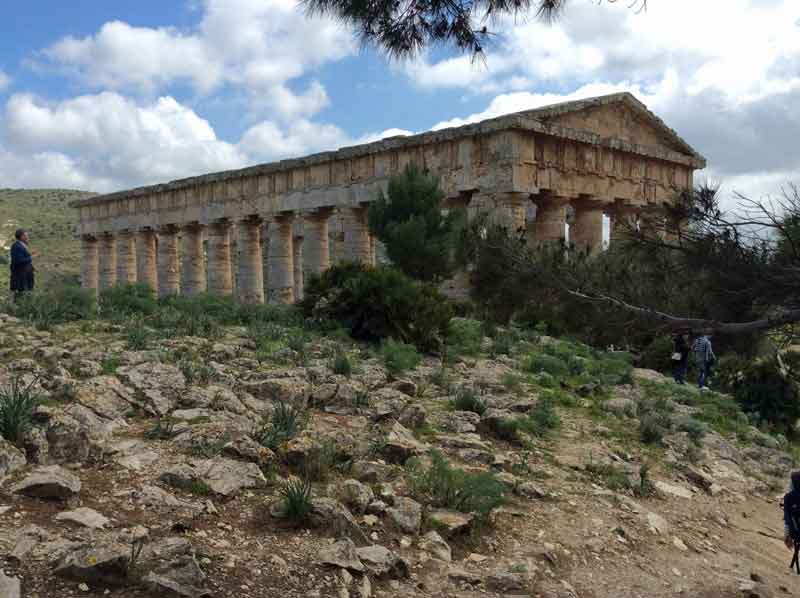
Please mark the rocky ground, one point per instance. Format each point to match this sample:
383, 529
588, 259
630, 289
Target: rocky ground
142, 476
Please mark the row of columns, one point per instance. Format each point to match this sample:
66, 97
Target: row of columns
155, 258
586, 227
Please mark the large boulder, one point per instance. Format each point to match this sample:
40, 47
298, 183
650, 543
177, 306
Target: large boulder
105, 395
84, 516
357, 495
157, 384
50, 481
181, 576
11, 458
341, 554
226, 477
382, 562
406, 514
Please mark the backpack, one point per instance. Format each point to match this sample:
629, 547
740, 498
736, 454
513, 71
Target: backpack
792, 504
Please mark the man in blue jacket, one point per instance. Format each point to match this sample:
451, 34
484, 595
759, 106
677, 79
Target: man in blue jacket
21, 265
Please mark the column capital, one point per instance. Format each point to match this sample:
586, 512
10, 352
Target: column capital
591, 202
282, 216
89, 238
251, 219
168, 229
315, 213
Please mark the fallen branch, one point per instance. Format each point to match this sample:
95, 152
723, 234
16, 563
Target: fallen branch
788, 316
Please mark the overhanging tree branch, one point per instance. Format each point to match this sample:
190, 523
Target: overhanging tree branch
788, 316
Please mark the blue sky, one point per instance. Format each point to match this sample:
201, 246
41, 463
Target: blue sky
105, 95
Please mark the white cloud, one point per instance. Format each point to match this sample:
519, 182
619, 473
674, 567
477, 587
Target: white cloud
105, 141
259, 45
5, 80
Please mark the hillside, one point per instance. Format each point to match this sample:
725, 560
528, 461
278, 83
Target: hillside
45, 213
173, 442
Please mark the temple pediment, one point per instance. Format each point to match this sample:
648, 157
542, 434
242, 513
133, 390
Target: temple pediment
617, 116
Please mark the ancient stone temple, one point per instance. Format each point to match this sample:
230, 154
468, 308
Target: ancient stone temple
606, 156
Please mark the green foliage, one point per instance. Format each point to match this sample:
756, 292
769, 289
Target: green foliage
512, 383
375, 304
764, 390
645, 488
652, 428
541, 362
695, 430
296, 495
109, 365
57, 305
464, 337
164, 429
319, 462
282, 425
137, 336
399, 357
18, 402
418, 237
341, 365
610, 475
657, 355
125, 301
467, 399
441, 485
543, 416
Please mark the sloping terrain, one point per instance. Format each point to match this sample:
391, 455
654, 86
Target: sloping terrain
145, 472
45, 213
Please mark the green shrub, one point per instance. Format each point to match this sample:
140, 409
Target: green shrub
58, 305
467, 399
18, 401
399, 357
109, 365
282, 425
652, 429
540, 362
657, 355
375, 304
137, 336
444, 486
512, 383
296, 495
543, 417
611, 476
576, 365
611, 370
464, 337
125, 301
695, 430
341, 364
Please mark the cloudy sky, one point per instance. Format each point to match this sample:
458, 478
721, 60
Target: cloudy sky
103, 95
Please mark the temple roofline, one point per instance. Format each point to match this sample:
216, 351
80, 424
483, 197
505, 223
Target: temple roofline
528, 120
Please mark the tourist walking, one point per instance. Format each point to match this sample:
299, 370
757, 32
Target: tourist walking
21, 265
704, 358
680, 357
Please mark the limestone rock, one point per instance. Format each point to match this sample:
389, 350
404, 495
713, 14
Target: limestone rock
460, 422
699, 478
657, 523
181, 476
288, 390
406, 514
327, 512
672, 489
407, 387
357, 495
400, 444
105, 395
434, 544
11, 458
450, 523
157, 383
49, 481
382, 562
9, 586
84, 516
227, 477
104, 564
369, 472
180, 577
621, 406
341, 554
503, 582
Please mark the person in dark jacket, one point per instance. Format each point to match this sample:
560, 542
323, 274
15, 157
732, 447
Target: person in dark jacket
21, 265
791, 502
680, 357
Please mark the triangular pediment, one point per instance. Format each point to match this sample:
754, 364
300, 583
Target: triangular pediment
617, 116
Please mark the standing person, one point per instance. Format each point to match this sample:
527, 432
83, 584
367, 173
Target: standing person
21, 265
680, 357
791, 518
704, 358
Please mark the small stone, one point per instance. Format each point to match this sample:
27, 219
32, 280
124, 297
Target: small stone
84, 516
679, 544
83, 587
657, 523
450, 523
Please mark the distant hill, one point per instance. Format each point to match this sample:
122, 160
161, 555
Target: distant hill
46, 214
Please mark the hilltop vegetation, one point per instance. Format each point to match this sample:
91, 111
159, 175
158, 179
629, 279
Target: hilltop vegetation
46, 214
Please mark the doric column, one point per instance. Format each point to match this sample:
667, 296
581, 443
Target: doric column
297, 261
90, 263
168, 265
193, 263
338, 247
509, 211
356, 235
551, 218
281, 268
108, 261
373, 258
586, 231
251, 271
220, 274
126, 258
316, 250
623, 218
146, 258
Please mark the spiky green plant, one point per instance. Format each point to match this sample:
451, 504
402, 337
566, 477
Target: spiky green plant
18, 401
296, 495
